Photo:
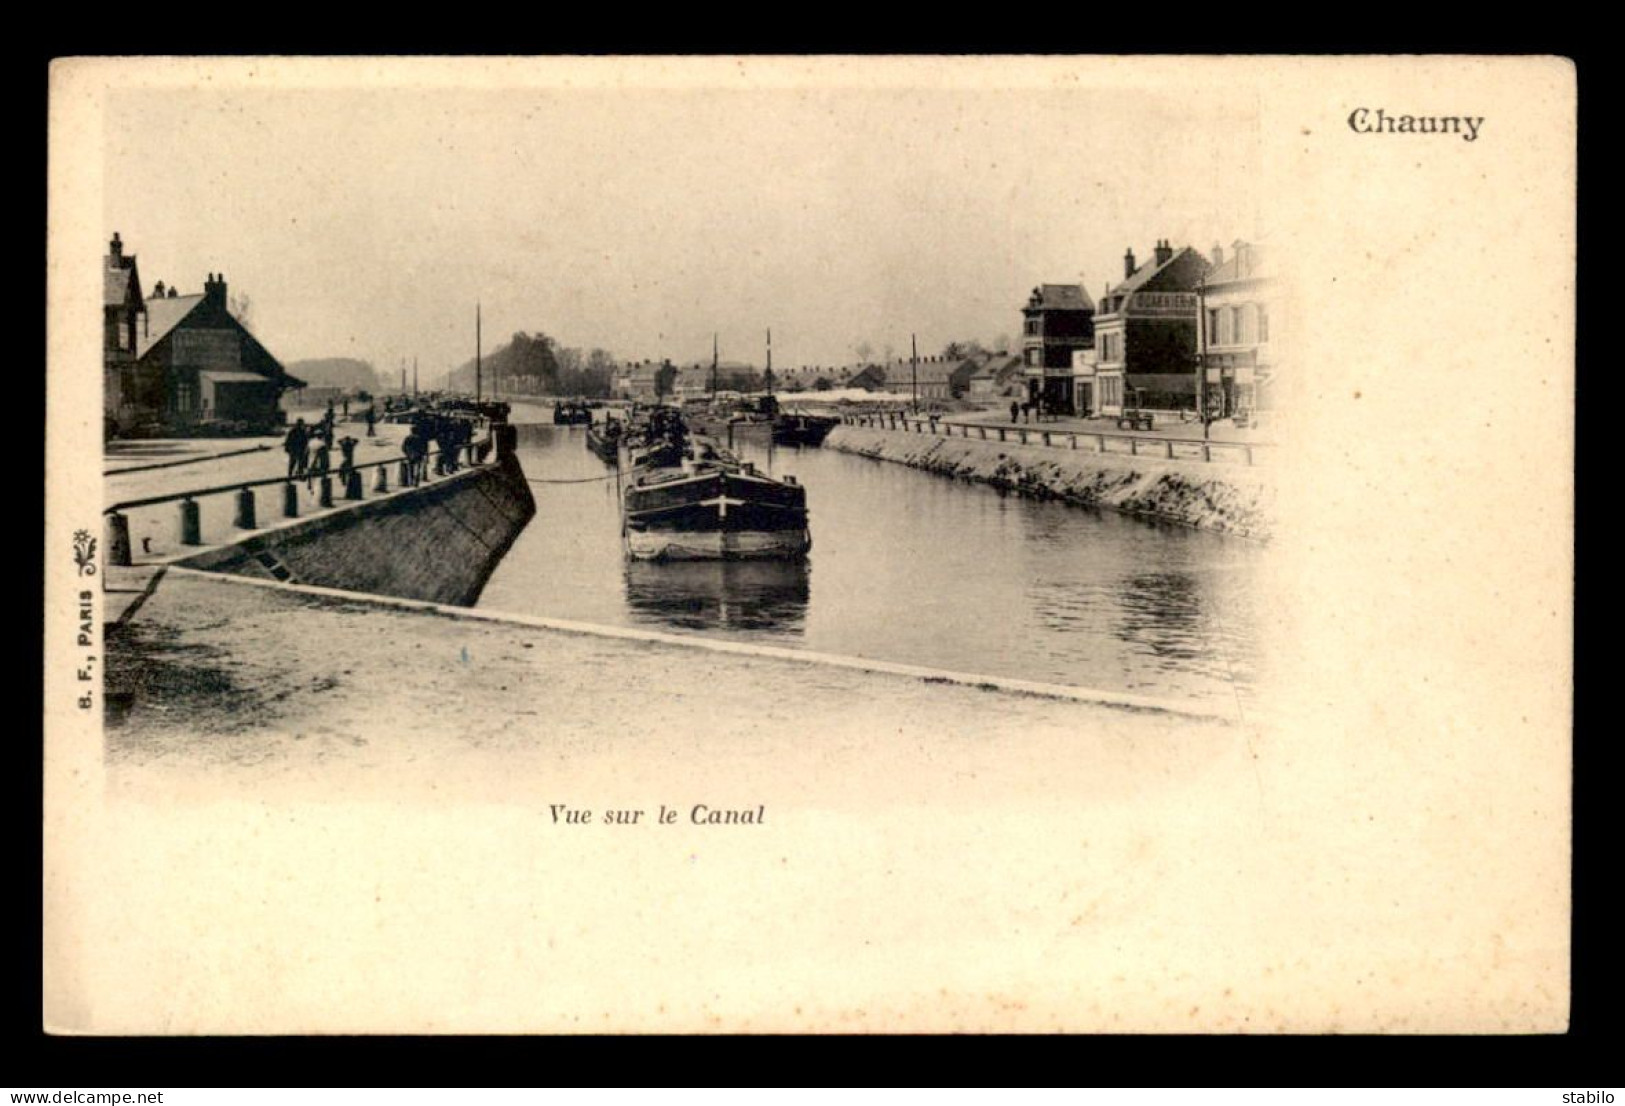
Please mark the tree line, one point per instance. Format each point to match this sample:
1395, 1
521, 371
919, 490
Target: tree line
538, 365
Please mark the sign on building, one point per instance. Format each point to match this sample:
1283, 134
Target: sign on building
206, 349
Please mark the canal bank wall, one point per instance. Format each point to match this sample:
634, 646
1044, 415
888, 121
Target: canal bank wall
437, 542
1232, 498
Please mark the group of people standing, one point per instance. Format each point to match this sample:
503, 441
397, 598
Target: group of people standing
310, 446
1033, 409
310, 450
445, 435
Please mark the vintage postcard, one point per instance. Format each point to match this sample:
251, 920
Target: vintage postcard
804, 545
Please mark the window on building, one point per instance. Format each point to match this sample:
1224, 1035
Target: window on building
1213, 326
1245, 324
1032, 356
1263, 323
1032, 326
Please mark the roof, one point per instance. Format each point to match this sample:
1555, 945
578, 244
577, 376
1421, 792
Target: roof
640, 372
1146, 272
164, 313
901, 371
1061, 297
1257, 264
997, 364
115, 287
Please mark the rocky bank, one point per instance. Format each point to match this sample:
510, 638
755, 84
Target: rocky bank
1228, 497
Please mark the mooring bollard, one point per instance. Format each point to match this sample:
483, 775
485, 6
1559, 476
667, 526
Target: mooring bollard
352, 484
118, 539
290, 500
324, 497
1170, 447
245, 509
191, 523
380, 483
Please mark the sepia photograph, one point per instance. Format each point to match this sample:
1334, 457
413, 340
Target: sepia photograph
808, 545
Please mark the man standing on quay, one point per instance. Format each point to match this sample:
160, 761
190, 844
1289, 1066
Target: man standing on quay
298, 446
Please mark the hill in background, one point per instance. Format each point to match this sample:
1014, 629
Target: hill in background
338, 372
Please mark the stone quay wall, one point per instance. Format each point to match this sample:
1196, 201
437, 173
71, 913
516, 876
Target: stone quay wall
1229, 497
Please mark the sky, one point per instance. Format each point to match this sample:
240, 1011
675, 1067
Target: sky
367, 222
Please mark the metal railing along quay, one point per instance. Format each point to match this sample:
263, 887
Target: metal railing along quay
245, 513
1195, 449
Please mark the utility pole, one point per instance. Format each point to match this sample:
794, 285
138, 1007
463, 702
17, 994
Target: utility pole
914, 361
403, 376
770, 361
477, 369
414, 377
1202, 338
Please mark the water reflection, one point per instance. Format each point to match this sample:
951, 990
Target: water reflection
720, 595
913, 568
1162, 613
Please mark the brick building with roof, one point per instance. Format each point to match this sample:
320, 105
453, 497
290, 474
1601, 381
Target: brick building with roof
1145, 332
1058, 320
178, 365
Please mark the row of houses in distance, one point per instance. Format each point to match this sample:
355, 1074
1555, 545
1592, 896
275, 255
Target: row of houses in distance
1179, 331
934, 377
176, 364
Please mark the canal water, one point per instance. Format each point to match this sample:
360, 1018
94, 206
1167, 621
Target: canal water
912, 567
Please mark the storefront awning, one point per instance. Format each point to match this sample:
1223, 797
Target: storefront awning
221, 376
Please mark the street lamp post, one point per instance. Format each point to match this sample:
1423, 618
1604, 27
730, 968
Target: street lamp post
1201, 355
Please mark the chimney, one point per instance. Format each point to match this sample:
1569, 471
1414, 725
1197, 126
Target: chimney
1165, 252
1128, 264
115, 251
214, 290
1218, 255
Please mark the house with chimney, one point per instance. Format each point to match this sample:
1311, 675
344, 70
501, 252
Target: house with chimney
1146, 333
645, 381
123, 309
183, 364
1238, 368
1058, 320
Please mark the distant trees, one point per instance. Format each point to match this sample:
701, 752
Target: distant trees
958, 351
536, 364
241, 308
598, 376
